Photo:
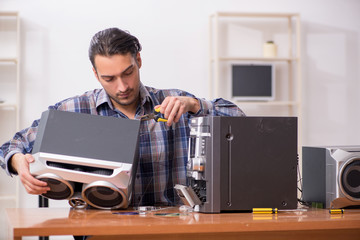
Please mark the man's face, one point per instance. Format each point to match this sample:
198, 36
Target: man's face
119, 76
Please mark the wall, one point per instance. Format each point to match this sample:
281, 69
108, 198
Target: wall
174, 35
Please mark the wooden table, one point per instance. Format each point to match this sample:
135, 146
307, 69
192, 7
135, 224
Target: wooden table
314, 224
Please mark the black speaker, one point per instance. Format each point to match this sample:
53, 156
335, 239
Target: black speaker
240, 163
331, 175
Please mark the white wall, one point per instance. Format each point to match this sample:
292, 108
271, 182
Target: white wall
174, 35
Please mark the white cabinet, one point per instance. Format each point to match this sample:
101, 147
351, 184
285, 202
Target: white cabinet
9, 104
238, 38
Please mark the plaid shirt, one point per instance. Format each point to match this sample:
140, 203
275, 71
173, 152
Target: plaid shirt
162, 149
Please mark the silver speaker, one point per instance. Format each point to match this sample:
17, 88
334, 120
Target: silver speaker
104, 184
331, 175
87, 159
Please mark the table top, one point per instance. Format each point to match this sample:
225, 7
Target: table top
65, 221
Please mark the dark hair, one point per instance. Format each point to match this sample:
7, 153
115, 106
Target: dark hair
113, 41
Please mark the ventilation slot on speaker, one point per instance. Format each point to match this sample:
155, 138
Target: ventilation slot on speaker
80, 168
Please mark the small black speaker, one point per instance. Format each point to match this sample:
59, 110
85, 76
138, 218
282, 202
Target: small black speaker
331, 175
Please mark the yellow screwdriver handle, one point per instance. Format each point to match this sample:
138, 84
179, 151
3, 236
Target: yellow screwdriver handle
265, 210
336, 211
162, 120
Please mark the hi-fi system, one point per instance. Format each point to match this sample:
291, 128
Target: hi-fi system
234, 163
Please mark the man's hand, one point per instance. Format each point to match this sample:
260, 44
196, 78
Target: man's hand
20, 163
174, 107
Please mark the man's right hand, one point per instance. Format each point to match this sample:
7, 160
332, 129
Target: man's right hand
20, 163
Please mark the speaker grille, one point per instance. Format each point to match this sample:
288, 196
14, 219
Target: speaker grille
59, 189
350, 179
103, 195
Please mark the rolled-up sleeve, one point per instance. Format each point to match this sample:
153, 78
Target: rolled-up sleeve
22, 142
218, 107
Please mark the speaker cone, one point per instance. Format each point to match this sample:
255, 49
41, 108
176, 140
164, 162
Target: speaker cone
350, 179
102, 194
59, 188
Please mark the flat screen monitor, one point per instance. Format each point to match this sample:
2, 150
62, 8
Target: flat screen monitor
253, 82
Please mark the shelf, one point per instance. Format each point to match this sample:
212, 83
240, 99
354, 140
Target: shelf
8, 105
255, 15
267, 103
260, 59
9, 60
289, 60
238, 37
8, 198
9, 14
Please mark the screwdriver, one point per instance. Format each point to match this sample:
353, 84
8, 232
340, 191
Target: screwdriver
274, 210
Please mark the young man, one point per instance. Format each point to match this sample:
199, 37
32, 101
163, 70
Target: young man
116, 60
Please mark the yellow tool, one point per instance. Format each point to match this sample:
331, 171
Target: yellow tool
275, 210
156, 115
336, 211
342, 211
264, 210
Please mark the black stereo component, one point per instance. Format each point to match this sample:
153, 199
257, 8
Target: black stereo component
331, 175
240, 163
87, 159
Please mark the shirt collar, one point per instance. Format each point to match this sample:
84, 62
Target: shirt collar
144, 95
103, 98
